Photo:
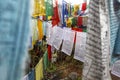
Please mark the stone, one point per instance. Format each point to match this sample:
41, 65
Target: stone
73, 75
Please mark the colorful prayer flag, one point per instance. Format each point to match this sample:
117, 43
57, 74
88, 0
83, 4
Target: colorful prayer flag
40, 29
39, 70
49, 53
84, 6
55, 18
45, 61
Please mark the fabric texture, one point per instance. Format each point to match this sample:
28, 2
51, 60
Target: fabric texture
49, 8
14, 38
114, 12
39, 70
40, 29
39, 8
63, 14
55, 17
80, 21
49, 53
35, 34
68, 22
84, 6
30, 75
96, 65
45, 60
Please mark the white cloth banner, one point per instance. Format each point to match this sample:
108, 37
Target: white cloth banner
58, 38
51, 35
68, 41
116, 68
48, 28
80, 46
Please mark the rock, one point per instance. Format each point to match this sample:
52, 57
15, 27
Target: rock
73, 76
66, 78
55, 76
68, 59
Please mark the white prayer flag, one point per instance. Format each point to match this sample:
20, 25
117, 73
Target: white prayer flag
58, 38
80, 46
68, 41
116, 68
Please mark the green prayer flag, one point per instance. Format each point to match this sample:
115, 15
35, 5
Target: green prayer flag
74, 21
84, 30
45, 60
49, 8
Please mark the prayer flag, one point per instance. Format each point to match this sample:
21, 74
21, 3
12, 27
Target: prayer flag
40, 29
39, 70
45, 60
79, 21
55, 18
84, 6
49, 53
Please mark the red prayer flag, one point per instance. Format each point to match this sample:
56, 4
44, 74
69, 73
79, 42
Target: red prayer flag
49, 53
84, 6
55, 17
79, 21
78, 30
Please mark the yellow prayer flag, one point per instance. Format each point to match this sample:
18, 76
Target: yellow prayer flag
40, 29
39, 8
39, 70
34, 31
49, 17
76, 9
36, 8
68, 22
42, 8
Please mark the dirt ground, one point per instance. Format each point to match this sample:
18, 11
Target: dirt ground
75, 66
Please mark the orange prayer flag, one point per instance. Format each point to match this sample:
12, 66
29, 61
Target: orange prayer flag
40, 29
